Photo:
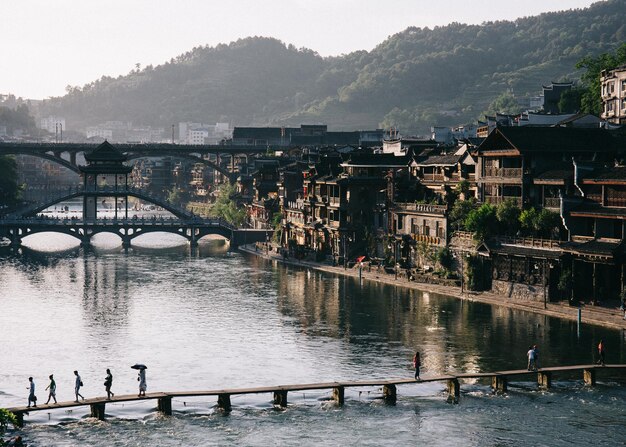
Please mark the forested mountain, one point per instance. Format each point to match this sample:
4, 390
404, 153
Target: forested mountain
415, 78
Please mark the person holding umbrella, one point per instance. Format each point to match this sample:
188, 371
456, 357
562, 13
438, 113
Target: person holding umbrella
141, 378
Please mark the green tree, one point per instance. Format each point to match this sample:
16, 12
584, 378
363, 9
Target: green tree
6, 418
9, 187
177, 196
459, 212
591, 101
508, 214
226, 207
570, 100
505, 103
482, 221
528, 221
544, 223
277, 225
445, 259
548, 223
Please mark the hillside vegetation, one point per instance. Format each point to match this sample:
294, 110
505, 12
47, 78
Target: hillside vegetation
416, 78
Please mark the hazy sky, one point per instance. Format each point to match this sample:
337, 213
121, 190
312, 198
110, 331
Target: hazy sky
48, 44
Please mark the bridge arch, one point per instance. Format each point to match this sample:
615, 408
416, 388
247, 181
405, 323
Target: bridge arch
46, 156
178, 212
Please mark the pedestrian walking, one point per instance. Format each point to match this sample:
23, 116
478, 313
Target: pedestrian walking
108, 381
77, 384
416, 364
143, 386
536, 352
531, 358
31, 394
52, 390
601, 352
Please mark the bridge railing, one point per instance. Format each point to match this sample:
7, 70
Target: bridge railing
152, 220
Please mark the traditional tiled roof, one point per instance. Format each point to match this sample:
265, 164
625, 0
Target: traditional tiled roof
549, 140
556, 174
365, 159
594, 209
594, 247
518, 250
105, 152
604, 174
438, 160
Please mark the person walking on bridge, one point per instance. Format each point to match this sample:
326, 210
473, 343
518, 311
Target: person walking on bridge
143, 386
77, 384
416, 364
531, 359
31, 394
601, 353
52, 393
108, 381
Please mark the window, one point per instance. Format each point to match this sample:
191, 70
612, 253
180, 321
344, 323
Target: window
426, 227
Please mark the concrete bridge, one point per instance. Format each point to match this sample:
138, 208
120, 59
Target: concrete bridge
499, 382
65, 153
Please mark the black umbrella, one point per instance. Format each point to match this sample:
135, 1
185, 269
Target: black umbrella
139, 366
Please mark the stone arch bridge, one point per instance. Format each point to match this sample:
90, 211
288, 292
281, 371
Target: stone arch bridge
16, 226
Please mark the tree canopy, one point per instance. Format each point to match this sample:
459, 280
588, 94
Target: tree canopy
591, 101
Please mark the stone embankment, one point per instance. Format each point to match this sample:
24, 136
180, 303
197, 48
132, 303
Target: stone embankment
597, 315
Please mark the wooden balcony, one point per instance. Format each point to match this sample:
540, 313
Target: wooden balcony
495, 200
552, 202
433, 178
618, 202
503, 172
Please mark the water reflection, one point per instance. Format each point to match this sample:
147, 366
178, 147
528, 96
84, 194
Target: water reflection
454, 335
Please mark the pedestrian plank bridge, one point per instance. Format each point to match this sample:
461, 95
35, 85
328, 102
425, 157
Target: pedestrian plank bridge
499, 382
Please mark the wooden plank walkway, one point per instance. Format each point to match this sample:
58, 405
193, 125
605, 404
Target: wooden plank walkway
500, 380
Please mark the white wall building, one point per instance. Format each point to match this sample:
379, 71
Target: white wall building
52, 124
614, 95
199, 133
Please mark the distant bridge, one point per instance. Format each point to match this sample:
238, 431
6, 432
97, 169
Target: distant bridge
65, 153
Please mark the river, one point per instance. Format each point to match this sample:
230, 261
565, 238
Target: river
219, 319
